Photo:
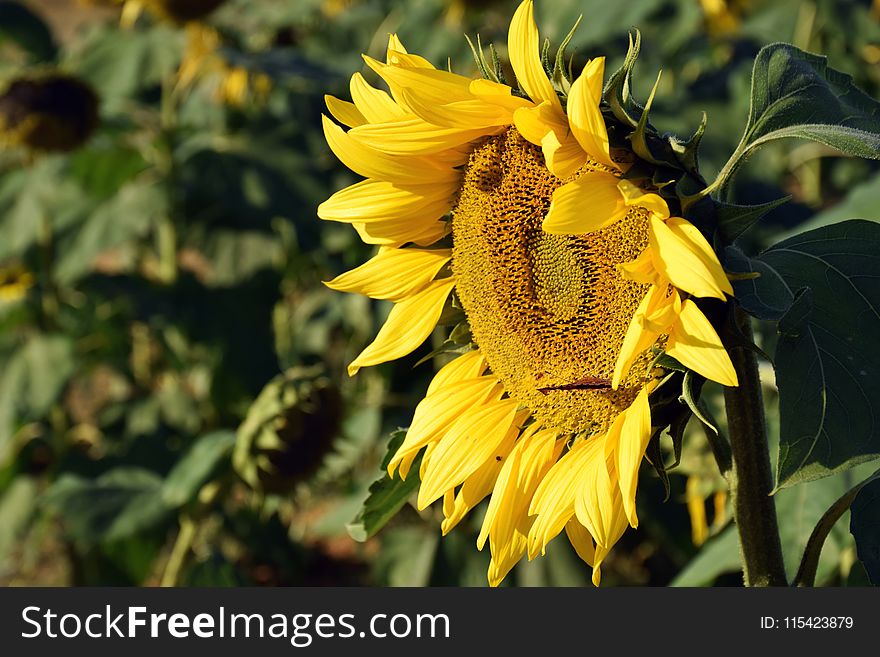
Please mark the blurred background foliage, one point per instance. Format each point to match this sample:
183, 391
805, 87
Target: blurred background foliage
174, 407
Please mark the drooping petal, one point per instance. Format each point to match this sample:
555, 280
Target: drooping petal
414, 136
409, 323
597, 502
581, 540
524, 50
563, 157
553, 501
695, 344
397, 232
634, 195
657, 311
377, 200
393, 274
470, 442
634, 437
344, 112
464, 367
438, 412
587, 204
685, 258
371, 163
431, 85
374, 104
519, 477
478, 485
584, 115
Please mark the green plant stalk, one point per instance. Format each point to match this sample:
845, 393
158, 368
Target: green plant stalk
751, 480
166, 231
182, 545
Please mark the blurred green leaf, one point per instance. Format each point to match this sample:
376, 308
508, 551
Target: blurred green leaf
17, 503
27, 30
796, 94
865, 527
860, 203
407, 556
33, 377
822, 288
114, 506
124, 217
196, 467
121, 63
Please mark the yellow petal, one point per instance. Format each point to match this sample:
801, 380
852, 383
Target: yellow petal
597, 502
696, 345
374, 104
524, 50
471, 441
371, 163
409, 323
377, 200
585, 205
397, 54
584, 115
344, 112
685, 258
553, 501
414, 136
696, 506
495, 93
563, 158
479, 484
393, 274
642, 332
397, 232
641, 270
437, 413
519, 477
633, 195
464, 367
581, 540
432, 85
634, 437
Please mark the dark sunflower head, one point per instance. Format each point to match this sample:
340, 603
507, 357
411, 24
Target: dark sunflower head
182, 11
54, 112
288, 430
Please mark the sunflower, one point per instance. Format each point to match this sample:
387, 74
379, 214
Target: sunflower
47, 111
512, 205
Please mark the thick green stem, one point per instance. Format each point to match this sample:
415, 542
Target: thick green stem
182, 545
751, 479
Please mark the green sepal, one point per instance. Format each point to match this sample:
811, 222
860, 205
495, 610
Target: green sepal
618, 91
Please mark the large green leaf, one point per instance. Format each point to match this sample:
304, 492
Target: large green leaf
114, 506
387, 496
865, 527
823, 288
796, 94
31, 380
195, 468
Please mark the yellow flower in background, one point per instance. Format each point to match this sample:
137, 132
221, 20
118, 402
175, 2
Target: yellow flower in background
234, 84
15, 281
571, 278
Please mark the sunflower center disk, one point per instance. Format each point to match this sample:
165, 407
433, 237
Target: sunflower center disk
546, 310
